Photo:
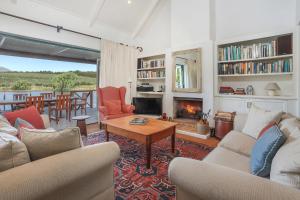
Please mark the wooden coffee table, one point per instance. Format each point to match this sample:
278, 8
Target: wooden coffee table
155, 130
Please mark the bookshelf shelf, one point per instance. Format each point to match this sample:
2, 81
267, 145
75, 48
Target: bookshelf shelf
153, 78
154, 93
153, 68
257, 97
260, 74
257, 59
151, 71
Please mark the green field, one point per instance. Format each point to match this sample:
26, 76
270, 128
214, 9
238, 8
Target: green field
42, 80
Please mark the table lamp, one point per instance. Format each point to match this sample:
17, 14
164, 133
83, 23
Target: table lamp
272, 89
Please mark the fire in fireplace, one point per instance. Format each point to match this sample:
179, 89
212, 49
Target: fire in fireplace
188, 108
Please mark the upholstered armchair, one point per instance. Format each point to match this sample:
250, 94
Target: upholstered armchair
112, 104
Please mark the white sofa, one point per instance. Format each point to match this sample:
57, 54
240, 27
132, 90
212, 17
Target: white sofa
81, 174
225, 173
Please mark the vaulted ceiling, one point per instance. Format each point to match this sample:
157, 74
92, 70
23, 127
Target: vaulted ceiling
126, 16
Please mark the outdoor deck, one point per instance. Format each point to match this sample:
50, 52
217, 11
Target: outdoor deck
63, 123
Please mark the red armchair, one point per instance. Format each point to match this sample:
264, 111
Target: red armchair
111, 103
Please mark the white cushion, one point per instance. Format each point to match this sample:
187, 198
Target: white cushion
6, 127
286, 164
259, 118
44, 143
13, 152
287, 126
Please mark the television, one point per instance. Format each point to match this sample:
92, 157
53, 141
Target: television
147, 106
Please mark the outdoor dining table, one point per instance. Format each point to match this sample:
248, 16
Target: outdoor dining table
46, 101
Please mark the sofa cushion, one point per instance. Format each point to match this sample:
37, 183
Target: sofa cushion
286, 165
114, 107
30, 114
264, 151
227, 158
6, 127
43, 144
258, 119
13, 152
288, 125
238, 142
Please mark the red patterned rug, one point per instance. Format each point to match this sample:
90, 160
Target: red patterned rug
133, 179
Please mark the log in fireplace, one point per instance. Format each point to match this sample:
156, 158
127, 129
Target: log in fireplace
188, 108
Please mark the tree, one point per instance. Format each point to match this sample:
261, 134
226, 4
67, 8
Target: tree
21, 85
64, 81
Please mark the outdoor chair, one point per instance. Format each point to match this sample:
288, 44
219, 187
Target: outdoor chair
82, 103
63, 103
18, 97
37, 101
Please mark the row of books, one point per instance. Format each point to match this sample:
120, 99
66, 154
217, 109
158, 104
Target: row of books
153, 63
240, 52
278, 66
151, 74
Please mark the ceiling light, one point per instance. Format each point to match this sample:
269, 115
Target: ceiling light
129, 1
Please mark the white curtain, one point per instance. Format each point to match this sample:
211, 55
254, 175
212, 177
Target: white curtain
118, 64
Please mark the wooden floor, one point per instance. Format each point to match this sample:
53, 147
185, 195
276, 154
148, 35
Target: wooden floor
211, 142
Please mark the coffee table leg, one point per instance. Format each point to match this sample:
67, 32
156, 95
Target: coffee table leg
106, 133
148, 151
173, 140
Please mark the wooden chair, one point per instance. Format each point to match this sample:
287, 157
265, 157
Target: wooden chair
63, 103
18, 97
37, 101
47, 95
82, 103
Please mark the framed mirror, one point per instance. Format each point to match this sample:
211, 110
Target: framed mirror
187, 71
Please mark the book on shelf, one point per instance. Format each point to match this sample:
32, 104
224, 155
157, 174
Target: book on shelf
151, 74
240, 91
240, 52
262, 48
152, 64
277, 66
226, 90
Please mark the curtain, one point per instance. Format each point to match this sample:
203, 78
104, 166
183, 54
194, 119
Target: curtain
118, 64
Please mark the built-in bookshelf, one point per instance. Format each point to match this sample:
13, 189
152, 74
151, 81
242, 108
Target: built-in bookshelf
151, 70
260, 56
256, 62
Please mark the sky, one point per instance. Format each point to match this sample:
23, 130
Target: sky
31, 64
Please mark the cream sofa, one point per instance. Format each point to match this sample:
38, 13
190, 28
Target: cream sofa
84, 173
225, 173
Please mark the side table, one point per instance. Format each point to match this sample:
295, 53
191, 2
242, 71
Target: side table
81, 123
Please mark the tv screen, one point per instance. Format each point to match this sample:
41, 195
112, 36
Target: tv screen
147, 106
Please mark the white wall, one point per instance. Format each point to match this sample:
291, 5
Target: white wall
54, 17
180, 25
189, 22
235, 18
155, 35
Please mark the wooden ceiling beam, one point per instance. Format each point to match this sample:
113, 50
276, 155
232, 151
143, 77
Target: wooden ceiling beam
97, 10
145, 18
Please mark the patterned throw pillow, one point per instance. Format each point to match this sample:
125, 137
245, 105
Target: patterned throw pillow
264, 151
20, 123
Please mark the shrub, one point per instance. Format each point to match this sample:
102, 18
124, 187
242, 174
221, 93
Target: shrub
21, 85
65, 81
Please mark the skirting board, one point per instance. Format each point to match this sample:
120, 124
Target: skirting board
193, 134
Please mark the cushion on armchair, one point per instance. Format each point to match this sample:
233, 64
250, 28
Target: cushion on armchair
113, 107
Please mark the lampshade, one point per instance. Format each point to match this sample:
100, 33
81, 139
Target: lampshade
272, 86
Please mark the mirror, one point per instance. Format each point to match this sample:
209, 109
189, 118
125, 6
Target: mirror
187, 71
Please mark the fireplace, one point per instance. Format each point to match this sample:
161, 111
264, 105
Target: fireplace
187, 108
